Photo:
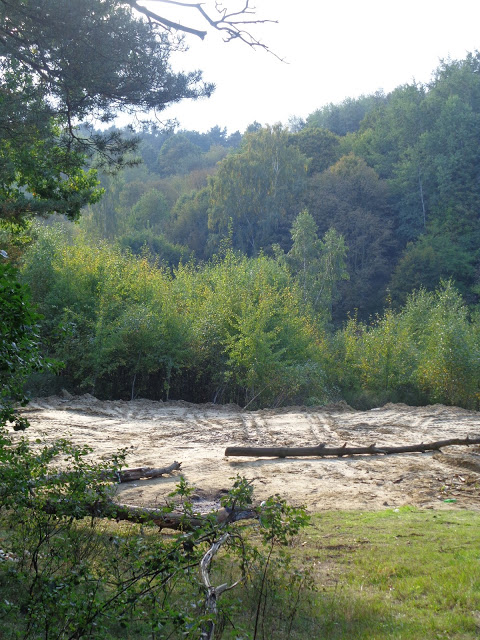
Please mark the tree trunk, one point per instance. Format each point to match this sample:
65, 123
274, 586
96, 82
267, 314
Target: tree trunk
322, 451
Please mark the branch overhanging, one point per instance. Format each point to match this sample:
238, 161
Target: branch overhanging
232, 24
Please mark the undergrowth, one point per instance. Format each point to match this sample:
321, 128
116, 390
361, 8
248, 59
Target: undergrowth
394, 574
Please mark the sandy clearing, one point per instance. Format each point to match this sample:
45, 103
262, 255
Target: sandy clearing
157, 433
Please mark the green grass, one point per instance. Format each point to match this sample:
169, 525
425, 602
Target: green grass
403, 574
399, 574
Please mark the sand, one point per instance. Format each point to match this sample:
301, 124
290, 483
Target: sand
157, 433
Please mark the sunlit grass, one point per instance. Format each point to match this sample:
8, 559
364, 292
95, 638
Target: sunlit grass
400, 574
396, 574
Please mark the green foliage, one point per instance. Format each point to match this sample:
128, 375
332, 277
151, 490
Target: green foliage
449, 369
320, 146
397, 181
257, 188
426, 352
20, 349
350, 198
432, 258
241, 329
233, 330
347, 116
63, 48
39, 172
154, 246
60, 67
151, 210
317, 265
255, 343
177, 155
189, 222
422, 140
74, 576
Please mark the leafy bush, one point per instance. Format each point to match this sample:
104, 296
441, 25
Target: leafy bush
66, 574
427, 352
251, 333
20, 349
232, 330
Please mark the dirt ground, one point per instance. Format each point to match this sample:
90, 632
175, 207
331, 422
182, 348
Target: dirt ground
157, 433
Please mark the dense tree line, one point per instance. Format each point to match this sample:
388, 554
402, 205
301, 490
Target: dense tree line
396, 175
254, 250
251, 330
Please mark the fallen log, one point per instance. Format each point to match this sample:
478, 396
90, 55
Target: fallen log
322, 450
162, 518
144, 473
125, 475
172, 519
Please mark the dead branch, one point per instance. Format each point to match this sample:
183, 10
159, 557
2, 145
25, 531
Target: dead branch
213, 593
162, 518
126, 475
145, 473
323, 451
234, 25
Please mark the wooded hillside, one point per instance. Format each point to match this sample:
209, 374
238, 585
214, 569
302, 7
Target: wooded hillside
335, 258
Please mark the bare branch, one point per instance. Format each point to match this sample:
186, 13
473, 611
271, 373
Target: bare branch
164, 22
233, 25
213, 593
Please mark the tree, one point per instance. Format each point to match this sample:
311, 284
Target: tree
177, 155
20, 352
317, 265
39, 173
320, 146
151, 210
424, 140
189, 222
345, 117
62, 64
350, 198
428, 261
257, 190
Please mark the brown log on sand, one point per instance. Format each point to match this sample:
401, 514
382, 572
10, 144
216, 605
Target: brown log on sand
125, 475
139, 473
322, 450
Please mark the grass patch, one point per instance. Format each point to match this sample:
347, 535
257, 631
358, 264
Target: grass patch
398, 574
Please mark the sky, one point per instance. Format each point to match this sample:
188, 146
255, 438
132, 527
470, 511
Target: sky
332, 49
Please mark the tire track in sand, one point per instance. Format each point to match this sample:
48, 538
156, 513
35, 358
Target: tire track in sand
322, 428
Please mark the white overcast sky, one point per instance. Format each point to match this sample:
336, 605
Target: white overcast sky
334, 49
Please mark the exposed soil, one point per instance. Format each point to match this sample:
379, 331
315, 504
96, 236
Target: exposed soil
157, 433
